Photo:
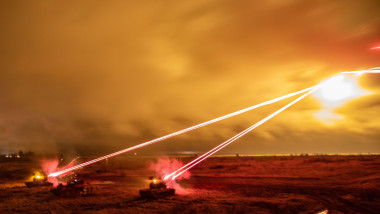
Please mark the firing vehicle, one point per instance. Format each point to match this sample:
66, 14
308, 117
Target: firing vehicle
73, 187
38, 179
157, 189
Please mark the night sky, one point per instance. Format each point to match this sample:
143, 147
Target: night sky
91, 77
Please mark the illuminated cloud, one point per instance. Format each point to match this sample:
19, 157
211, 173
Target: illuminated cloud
76, 74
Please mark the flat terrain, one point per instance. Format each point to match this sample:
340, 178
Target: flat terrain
338, 184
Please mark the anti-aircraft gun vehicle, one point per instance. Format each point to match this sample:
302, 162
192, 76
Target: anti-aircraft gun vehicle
38, 179
73, 187
157, 189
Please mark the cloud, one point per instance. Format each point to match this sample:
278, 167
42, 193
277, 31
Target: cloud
110, 75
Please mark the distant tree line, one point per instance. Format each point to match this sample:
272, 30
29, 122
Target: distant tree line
17, 156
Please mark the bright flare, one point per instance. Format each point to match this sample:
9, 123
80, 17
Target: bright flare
339, 89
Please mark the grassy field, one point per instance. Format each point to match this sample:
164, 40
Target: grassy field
338, 184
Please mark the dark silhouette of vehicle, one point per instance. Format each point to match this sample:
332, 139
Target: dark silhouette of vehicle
39, 179
157, 189
72, 188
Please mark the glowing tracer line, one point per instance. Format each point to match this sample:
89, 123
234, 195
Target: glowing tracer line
234, 138
191, 164
180, 132
374, 70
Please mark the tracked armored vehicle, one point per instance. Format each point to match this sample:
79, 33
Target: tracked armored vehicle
39, 179
73, 187
157, 189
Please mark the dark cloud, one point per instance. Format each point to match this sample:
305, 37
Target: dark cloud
95, 77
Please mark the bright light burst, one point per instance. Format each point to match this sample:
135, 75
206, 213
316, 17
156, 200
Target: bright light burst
338, 90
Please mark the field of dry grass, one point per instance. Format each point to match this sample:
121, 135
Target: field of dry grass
339, 184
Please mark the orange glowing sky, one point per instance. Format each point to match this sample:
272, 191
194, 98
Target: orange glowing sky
90, 77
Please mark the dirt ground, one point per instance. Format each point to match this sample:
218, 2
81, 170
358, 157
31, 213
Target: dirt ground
312, 184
